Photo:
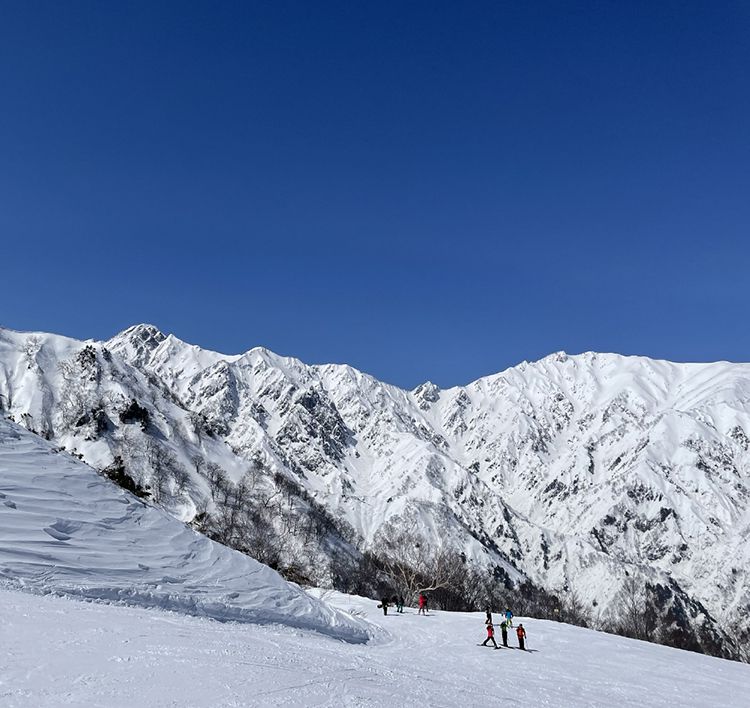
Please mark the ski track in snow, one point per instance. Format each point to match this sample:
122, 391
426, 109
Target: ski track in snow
61, 652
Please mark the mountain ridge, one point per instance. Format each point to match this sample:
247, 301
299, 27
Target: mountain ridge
574, 471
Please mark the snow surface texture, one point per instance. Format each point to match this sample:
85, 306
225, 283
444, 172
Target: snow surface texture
64, 529
572, 471
58, 652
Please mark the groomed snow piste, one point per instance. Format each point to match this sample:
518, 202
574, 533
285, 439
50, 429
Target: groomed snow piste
64, 529
59, 652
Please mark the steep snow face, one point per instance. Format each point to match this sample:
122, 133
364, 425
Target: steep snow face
64, 529
573, 471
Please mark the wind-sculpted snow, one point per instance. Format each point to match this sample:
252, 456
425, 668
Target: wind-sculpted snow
64, 529
574, 471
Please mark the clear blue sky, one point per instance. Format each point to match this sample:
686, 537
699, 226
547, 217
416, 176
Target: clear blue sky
423, 190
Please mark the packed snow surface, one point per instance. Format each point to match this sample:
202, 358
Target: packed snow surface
64, 529
59, 652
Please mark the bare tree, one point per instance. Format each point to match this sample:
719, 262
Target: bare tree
164, 467
631, 610
76, 397
574, 611
414, 566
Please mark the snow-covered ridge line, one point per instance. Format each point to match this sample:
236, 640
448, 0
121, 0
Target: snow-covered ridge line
573, 471
65, 530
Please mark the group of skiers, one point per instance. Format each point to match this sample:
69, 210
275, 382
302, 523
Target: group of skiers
505, 625
398, 601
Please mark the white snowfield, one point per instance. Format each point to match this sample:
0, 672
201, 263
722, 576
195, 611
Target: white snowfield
64, 529
59, 652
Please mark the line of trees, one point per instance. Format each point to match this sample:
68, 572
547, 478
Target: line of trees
272, 519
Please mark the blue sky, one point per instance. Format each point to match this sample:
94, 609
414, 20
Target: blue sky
423, 190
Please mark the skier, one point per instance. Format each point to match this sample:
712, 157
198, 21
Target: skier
422, 604
384, 605
490, 635
521, 634
509, 617
400, 604
488, 616
504, 632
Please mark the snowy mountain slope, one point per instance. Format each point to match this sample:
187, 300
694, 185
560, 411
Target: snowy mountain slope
62, 652
574, 471
64, 529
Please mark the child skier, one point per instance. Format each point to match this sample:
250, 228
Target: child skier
490, 635
521, 634
509, 617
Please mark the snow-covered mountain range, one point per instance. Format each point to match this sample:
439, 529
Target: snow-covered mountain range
574, 471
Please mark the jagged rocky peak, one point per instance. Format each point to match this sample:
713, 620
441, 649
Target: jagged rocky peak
427, 393
145, 335
137, 343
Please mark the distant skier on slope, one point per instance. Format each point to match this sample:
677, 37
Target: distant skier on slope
488, 616
521, 634
509, 617
384, 605
422, 604
400, 603
490, 635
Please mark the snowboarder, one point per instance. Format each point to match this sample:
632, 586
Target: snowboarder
509, 617
422, 604
490, 636
504, 632
521, 634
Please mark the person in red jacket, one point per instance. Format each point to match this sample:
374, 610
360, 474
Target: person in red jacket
490, 635
422, 604
521, 634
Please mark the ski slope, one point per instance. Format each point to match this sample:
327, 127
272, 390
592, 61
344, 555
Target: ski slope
60, 652
64, 529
